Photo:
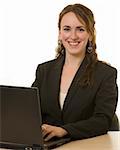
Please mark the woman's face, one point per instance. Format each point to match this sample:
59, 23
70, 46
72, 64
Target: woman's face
73, 35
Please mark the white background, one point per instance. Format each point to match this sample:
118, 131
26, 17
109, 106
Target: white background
28, 36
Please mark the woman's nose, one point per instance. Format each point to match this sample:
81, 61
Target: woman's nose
73, 35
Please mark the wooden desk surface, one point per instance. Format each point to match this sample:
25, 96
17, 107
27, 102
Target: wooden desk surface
110, 141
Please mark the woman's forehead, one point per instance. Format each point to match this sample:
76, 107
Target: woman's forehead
71, 18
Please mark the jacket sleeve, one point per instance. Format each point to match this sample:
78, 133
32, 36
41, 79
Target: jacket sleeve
105, 105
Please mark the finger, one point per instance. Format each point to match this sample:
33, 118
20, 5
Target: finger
44, 133
51, 135
44, 127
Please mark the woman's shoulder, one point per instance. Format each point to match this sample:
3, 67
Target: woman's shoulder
50, 63
53, 63
103, 66
47, 63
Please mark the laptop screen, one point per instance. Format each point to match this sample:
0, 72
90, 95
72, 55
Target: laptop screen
20, 117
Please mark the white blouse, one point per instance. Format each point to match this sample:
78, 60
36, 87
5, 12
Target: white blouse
62, 99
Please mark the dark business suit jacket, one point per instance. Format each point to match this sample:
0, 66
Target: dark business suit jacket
87, 111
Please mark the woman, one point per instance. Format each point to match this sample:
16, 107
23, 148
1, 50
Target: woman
78, 93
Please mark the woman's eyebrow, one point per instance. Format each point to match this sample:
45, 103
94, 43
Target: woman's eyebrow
67, 26
79, 27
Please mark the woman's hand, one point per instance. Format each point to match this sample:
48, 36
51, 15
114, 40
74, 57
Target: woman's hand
50, 131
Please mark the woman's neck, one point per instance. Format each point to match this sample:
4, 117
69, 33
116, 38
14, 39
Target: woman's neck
73, 61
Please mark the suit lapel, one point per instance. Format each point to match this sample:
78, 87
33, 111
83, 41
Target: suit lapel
54, 79
74, 85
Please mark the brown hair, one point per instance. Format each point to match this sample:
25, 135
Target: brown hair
85, 16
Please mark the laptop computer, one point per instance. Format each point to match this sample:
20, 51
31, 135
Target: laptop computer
20, 120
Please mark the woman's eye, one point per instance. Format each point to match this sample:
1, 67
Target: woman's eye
66, 29
81, 30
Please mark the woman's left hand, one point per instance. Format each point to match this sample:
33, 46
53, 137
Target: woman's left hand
50, 131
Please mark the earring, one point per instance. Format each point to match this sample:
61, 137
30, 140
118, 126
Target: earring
90, 47
59, 43
60, 48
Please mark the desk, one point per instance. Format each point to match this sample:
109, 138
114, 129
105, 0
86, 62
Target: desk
110, 141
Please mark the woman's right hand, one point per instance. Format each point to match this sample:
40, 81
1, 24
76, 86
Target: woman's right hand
50, 131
